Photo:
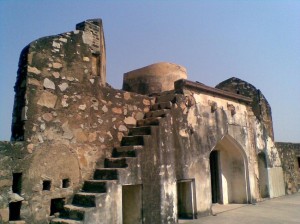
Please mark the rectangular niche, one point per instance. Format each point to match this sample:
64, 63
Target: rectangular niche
46, 185
65, 183
57, 205
132, 204
17, 183
186, 199
15, 211
96, 65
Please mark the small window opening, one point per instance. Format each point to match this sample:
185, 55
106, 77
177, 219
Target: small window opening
299, 162
46, 185
15, 211
57, 205
237, 92
66, 183
17, 183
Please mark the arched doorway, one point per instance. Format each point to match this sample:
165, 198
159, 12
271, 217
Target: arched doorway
229, 174
263, 175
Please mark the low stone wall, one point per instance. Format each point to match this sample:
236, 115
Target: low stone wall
290, 154
9, 154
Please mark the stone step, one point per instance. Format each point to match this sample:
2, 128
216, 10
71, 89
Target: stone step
161, 105
73, 212
95, 186
146, 130
64, 221
156, 113
132, 140
148, 121
126, 151
116, 162
84, 199
106, 174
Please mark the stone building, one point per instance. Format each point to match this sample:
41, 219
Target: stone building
160, 149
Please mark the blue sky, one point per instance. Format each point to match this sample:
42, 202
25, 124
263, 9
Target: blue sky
257, 41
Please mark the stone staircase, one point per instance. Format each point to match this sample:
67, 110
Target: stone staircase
121, 168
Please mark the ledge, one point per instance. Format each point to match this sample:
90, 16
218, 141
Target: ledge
182, 84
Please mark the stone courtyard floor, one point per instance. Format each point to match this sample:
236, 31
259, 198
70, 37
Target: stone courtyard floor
282, 210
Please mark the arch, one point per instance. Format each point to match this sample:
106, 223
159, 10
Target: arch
229, 172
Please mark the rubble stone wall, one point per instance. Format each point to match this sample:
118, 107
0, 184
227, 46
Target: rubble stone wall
290, 157
13, 159
260, 106
66, 115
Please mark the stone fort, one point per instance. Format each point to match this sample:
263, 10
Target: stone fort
161, 149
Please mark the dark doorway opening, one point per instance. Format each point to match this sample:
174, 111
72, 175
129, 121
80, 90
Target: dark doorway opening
298, 162
215, 179
186, 199
17, 183
15, 211
132, 204
57, 205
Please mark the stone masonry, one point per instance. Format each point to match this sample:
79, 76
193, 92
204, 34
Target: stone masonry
161, 149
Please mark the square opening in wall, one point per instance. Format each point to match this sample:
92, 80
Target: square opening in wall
46, 185
57, 205
186, 199
14, 211
17, 183
132, 204
66, 183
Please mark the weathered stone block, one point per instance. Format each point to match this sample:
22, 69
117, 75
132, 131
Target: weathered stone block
5, 183
4, 215
48, 84
34, 70
47, 99
130, 121
57, 65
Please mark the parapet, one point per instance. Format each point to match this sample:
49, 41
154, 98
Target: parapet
52, 67
155, 78
260, 106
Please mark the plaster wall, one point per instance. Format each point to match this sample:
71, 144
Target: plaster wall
202, 121
158, 175
193, 147
233, 173
108, 207
276, 184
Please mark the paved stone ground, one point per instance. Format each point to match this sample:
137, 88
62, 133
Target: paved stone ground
282, 210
